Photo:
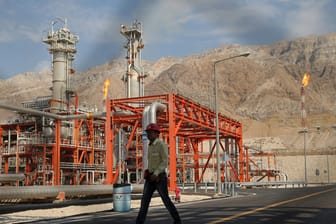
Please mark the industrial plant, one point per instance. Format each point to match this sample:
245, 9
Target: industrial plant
55, 141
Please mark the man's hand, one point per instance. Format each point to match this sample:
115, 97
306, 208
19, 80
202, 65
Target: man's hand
146, 174
154, 178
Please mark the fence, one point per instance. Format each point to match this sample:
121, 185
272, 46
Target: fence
231, 188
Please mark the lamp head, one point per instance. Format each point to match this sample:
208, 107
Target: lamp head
245, 54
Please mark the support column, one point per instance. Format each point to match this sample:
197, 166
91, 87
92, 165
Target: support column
172, 143
56, 156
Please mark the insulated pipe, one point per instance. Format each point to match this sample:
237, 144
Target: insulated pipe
45, 192
28, 111
12, 177
149, 116
51, 115
79, 116
154, 109
145, 141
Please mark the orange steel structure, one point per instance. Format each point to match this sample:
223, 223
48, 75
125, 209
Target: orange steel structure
255, 169
185, 126
53, 144
93, 152
57, 159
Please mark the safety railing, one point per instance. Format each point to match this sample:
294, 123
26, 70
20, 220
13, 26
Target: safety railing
230, 188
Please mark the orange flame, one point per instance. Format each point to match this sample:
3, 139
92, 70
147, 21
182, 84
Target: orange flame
305, 80
105, 88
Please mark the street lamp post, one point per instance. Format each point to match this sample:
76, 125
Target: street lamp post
305, 153
219, 187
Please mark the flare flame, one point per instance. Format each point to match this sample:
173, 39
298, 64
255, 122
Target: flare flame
305, 80
105, 88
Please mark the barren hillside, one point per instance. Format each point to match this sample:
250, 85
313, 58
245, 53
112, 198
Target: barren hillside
262, 90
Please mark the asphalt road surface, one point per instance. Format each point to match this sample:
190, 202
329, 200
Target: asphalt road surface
291, 205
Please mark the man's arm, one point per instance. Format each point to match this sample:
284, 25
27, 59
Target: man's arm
164, 159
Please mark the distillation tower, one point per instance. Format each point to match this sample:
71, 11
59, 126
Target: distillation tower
62, 47
134, 77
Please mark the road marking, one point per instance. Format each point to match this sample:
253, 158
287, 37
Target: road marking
268, 206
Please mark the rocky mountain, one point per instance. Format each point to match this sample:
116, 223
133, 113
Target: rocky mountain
261, 90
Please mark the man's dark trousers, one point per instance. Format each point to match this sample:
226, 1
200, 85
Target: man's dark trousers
161, 187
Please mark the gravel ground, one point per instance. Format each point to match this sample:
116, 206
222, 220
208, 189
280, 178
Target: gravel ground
38, 214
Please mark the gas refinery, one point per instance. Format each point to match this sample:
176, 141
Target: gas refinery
55, 142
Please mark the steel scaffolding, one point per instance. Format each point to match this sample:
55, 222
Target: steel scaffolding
186, 126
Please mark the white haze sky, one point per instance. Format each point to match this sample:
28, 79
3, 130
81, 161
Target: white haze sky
173, 28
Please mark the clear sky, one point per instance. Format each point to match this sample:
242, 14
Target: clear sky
170, 27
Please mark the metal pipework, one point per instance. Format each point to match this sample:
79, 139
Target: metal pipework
149, 116
52, 115
11, 177
45, 192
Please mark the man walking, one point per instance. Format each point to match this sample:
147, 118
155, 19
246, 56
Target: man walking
155, 176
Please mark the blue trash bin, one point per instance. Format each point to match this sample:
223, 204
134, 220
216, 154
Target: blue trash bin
122, 197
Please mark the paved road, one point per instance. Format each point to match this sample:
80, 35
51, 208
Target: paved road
292, 205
